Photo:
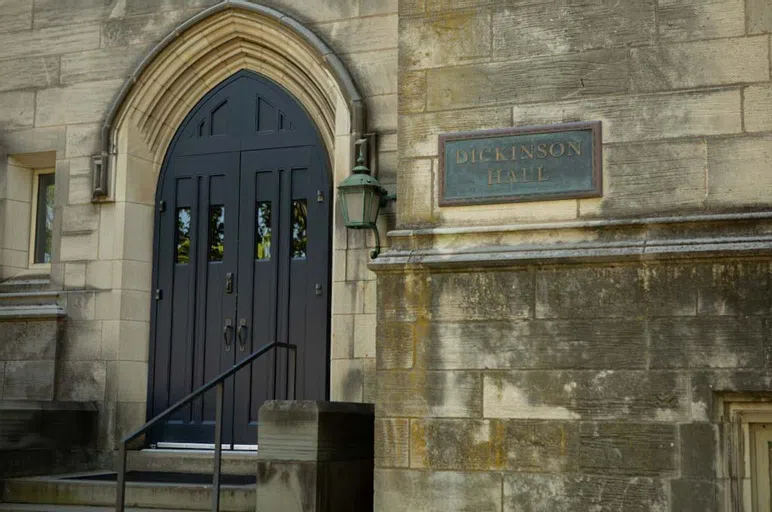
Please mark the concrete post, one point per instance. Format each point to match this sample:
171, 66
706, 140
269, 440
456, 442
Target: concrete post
315, 457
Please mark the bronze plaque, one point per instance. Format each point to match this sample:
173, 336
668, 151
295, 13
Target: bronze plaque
535, 163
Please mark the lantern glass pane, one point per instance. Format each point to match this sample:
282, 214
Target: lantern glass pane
373, 206
355, 204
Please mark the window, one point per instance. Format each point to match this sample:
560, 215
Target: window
43, 209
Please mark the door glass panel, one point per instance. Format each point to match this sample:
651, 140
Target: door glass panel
299, 231
216, 232
183, 235
263, 231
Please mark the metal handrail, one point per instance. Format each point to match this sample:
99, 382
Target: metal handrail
219, 382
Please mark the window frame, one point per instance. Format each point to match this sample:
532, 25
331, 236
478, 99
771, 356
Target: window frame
36, 173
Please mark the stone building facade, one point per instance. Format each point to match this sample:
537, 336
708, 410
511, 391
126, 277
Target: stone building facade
606, 353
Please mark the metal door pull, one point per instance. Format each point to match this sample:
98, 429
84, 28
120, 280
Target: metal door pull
242, 329
228, 326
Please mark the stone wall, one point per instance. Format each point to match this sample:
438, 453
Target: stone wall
570, 355
63, 63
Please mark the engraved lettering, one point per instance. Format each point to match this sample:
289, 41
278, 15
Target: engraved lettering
541, 150
482, 155
513, 176
514, 153
540, 176
561, 149
462, 157
473, 156
576, 146
494, 173
525, 179
499, 155
529, 152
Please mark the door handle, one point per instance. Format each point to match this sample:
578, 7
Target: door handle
242, 330
228, 327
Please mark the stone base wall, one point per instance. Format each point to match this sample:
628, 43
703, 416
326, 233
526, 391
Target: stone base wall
564, 387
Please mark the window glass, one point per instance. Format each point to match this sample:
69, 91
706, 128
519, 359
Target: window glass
263, 231
44, 218
183, 235
216, 232
299, 231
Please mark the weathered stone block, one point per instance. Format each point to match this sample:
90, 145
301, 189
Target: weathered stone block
397, 489
759, 16
49, 41
35, 140
497, 295
416, 186
142, 29
410, 7
589, 292
323, 11
573, 395
83, 341
79, 218
582, 493
17, 110
75, 276
545, 79
698, 443
628, 449
29, 380
382, 113
34, 72
75, 247
375, 72
342, 336
756, 107
711, 342
132, 381
364, 336
527, 29
636, 118
559, 344
685, 20
456, 444
743, 288
30, 340
403, 297
102, 64
437, 394
360, 34
15, 15
444, 39
737, 171
693, 495
670, 290
700, 63
392, 443
395, 343
412, 91
347, 298
82, 381
347, 380
80, 103
371, 7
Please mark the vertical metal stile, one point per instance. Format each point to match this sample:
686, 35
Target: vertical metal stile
218, 446
120, 492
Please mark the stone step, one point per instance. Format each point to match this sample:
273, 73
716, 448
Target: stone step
192, 461
26, 283
59, 491
28, 298
20, 507
34, 312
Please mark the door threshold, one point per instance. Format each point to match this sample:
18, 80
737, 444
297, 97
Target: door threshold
206, 447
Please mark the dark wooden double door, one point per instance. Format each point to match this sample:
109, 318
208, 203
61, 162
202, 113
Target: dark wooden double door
242, 259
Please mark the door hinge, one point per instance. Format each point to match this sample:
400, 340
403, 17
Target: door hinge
318, 289
162, 206
159, 294
319, 196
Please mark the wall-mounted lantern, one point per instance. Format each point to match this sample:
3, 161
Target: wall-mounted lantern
361, 197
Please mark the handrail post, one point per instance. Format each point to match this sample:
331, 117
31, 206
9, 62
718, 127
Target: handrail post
120, 492
218, 446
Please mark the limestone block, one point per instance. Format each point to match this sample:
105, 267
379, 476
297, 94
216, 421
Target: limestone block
343, 336
757, 106
583, 493
128, 417
409, 7
356, 265
588, 292
135, 305
382, 113
83, 140
654, 178
738, 171
371, 7
102, 64
418, 133
685, 20
81, 381
670, 290
710, 342
132, 381
79, 103
79, 305
29, 340
392, 443
49, 41
370, 380
75, 276
17, 232
347, 298
374, 72
78, 247
421, 394
759, 16
133, 275
80, 217
646, 117
18, 183
455, 445
37, 72
415, 189
630, 449
369, 297
412, 91
83, 341
346, 380
498, 295
360, 34
693, 495
700, 63
107, 229
572, 395
29, 380
397, 489
138, 232
136, 7
35, 140
447, 5
17, 110
742, 288
403, 297
444, 39
54, 12
364, 336
339, 265
698, 442
99, 274
317, 12
527, 29
395, 343
545, 79
122, 32
15, 15
551, 344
